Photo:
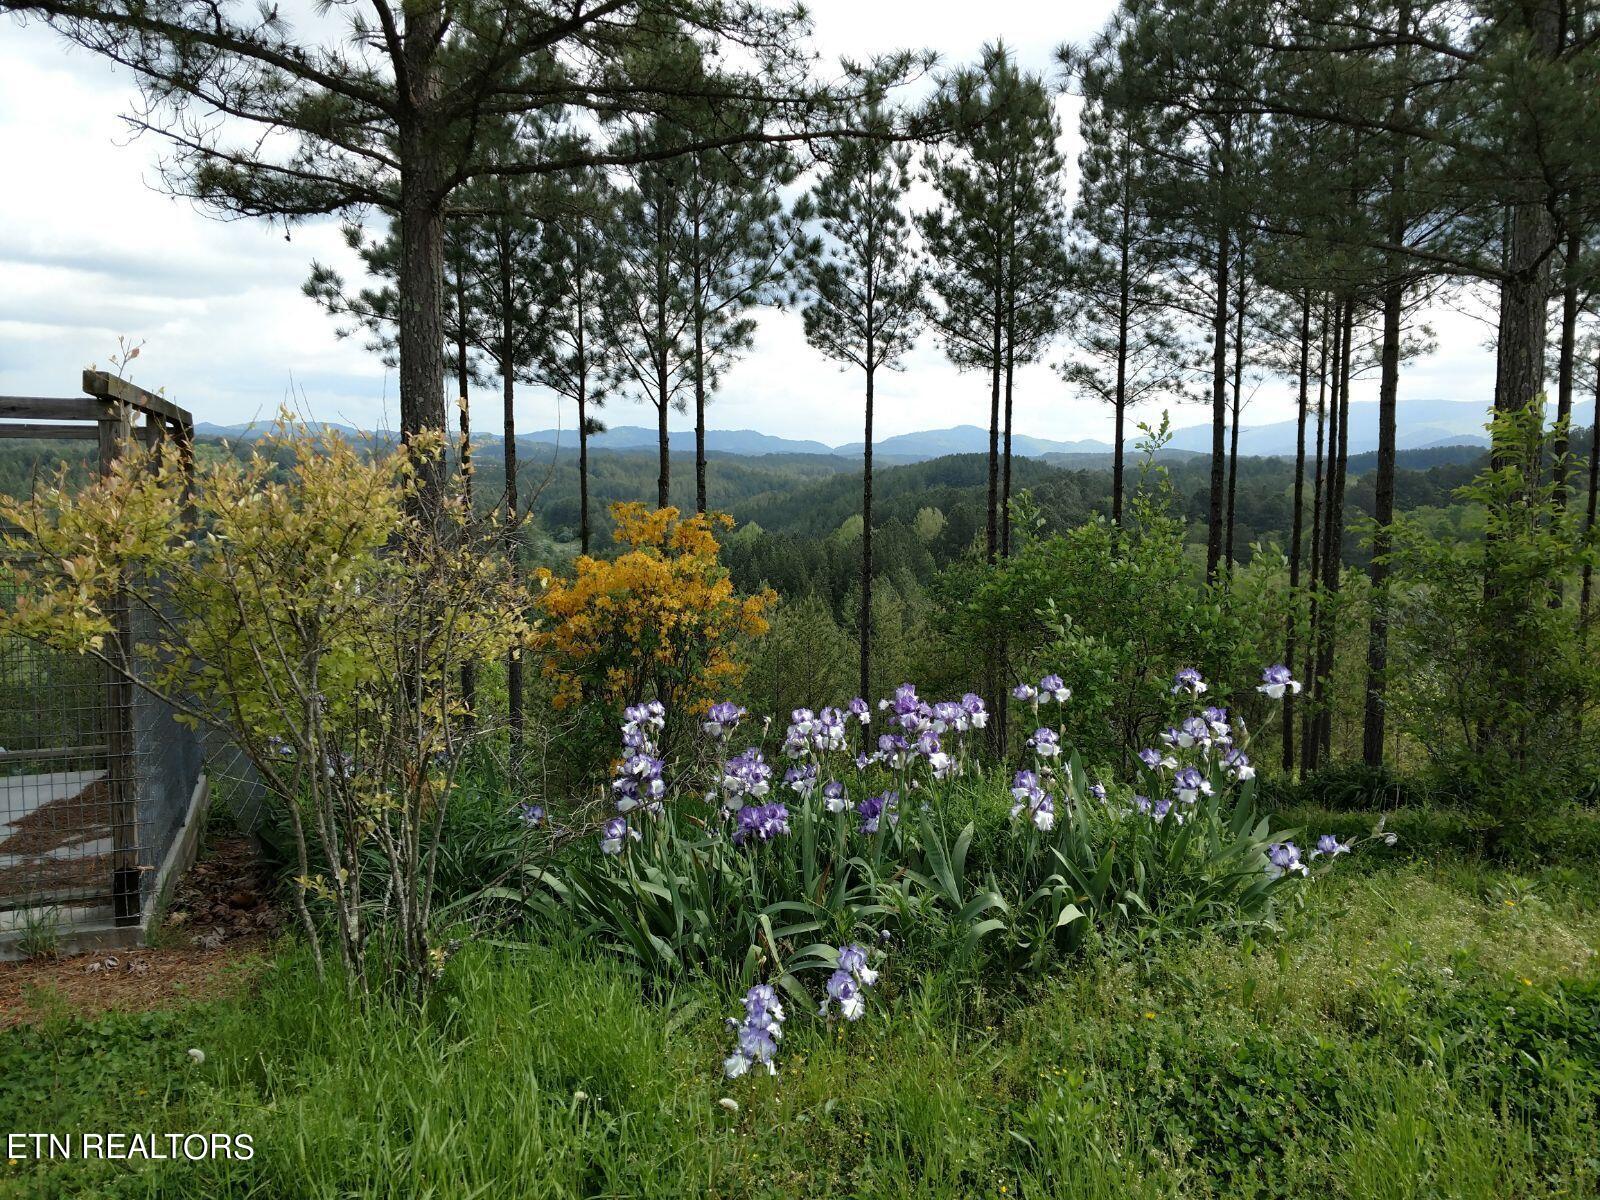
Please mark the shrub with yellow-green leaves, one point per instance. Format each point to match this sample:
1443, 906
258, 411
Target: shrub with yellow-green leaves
315, 603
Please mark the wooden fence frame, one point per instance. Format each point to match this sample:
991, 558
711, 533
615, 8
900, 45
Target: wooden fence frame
111, 412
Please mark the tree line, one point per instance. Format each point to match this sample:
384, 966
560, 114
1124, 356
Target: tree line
587, 196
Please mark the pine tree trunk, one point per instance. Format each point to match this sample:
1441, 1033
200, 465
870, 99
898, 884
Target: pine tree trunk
582, 348
1333, 568
420, 288
992, 528
1219, 374
1594, 497
699, 388
469, 670
508, 395
1124, 299
1233, 432
1308, 742
865, 631
1295, 529
1373, 715
1568, 359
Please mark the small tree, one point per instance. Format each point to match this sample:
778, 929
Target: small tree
308, 614
1493, 680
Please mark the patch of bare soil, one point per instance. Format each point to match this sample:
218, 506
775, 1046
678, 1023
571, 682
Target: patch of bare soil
217, 930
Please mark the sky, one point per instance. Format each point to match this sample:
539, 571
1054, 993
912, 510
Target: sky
92, 250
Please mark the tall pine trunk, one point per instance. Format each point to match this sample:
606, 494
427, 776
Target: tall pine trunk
1567, 361
508, 396
1124, 299
1308, 742
699, 382
420, 288
469, 670
1339, 458
1374, 711
581, 346
1295, 528
1594, 498
865, 632
1233, 432
1219, 366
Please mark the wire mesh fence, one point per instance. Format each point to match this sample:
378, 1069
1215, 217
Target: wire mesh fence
58, 822
97, 777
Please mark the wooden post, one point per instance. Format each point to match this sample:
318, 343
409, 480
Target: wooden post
115, 430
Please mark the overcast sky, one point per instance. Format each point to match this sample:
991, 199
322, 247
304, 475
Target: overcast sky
90, 249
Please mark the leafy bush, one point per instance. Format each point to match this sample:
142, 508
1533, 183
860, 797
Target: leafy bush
1493, 674
660, 619
316, 605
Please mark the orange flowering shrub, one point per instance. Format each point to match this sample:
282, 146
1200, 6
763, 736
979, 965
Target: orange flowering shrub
659, 621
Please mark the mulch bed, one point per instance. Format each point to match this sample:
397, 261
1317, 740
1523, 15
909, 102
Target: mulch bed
64, 822
218, 928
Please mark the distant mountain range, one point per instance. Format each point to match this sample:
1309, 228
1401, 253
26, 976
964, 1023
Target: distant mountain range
1423, 424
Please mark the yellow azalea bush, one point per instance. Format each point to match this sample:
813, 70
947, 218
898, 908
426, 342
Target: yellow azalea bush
661, 620
314, 602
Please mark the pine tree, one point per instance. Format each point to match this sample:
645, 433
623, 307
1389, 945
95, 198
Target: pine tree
1129, 347
996, 240
734, 242
648, 312
860, 285
380, 107
574, 272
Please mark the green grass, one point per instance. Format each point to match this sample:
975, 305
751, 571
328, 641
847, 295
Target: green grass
1418, 1030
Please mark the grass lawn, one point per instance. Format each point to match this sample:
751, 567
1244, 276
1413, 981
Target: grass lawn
1418, 1030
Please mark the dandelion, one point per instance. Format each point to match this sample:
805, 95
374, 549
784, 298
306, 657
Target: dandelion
729, 1103
834, 798
1276, 680
196, 1056
1188, 680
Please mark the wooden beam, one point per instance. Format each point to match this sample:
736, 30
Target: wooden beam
40, 429
41, 408
109, 387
